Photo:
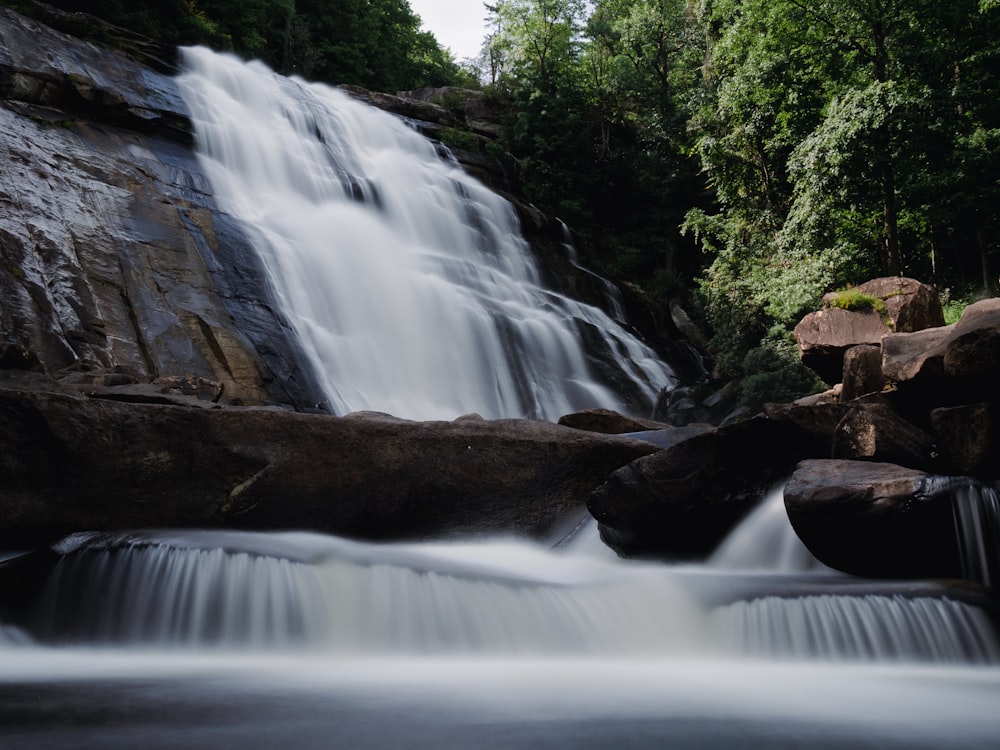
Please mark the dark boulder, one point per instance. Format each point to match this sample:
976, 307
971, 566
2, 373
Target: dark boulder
874, 519
679, 503
873, 431
75, 463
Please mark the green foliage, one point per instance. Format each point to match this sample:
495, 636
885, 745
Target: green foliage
373, 43
775, 373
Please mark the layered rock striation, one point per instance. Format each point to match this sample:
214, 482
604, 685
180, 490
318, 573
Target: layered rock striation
113, 253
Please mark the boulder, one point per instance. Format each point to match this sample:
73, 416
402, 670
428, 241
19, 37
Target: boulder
679, 503
908, 304
824, 336
862, 372
874, 519
952, 364
608, 422
873, 431
965, 439
73, 463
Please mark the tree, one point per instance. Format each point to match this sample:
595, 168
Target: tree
834, 134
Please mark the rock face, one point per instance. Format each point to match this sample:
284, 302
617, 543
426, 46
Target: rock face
112, 250
75, 463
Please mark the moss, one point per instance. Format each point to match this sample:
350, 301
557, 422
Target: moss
852, 299
16, 271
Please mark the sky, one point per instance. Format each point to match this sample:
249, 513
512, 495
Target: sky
458, 25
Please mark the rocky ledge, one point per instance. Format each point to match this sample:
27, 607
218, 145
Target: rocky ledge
874, 463
72, 461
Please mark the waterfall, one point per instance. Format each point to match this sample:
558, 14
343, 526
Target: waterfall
407, 283
977, 521
309, 591
765, 541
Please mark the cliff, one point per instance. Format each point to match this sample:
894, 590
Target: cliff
114, 258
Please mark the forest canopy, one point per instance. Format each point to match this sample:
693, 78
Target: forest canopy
763, 152
378, 44
746, 156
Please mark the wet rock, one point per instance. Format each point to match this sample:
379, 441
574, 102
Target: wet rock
113, 252
74, 463
678, 503
874, 519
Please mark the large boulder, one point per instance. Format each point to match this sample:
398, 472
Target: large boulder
907, 304
73, 463
825, 335
874, 519
902, 305
680, 502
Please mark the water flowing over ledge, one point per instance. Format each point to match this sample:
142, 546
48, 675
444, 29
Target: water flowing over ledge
236, 590
407, 282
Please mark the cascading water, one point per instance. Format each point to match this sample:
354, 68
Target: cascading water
260, 640
765, 541
407, 282
224, 639
977, 522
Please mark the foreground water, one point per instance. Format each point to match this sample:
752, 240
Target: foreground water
207, 639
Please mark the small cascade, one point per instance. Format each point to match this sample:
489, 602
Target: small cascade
485, 598
159, 595
977, 522
766, 541
408, 283
868, 628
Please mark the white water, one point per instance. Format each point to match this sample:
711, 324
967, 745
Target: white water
977, 520
765, 541
308, 591
407, 282
205, 639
